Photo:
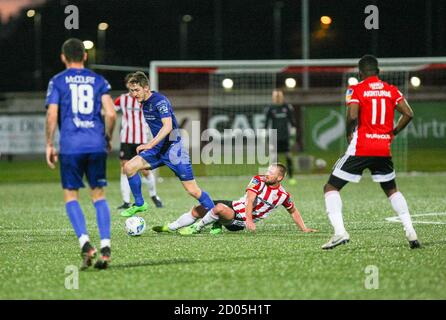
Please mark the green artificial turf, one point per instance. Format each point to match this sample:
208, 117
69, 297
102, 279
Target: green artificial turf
278, 261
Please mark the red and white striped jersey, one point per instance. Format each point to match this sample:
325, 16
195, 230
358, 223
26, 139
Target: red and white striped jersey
268, 198
133, 125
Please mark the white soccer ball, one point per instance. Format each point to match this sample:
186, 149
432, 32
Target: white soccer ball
135, 226
320, 163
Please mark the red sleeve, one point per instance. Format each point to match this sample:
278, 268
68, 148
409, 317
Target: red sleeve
255, 184
397, 95
288, 203
351, 96
118, 103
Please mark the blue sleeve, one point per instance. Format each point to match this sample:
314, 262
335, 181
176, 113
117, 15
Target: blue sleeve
52, 94
104, 88
164, 108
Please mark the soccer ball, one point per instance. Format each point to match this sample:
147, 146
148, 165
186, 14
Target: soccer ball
135, 226
321, 164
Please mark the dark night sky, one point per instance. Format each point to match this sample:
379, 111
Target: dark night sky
141, 31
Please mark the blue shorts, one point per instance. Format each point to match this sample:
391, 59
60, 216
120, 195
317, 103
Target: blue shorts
74, 166
175, 157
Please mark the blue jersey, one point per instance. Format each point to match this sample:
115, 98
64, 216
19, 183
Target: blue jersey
78, 92
155, 108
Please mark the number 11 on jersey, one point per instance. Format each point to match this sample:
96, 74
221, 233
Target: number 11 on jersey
375, 108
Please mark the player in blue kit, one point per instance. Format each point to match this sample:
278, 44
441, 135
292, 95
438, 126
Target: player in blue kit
165, 148
74, 102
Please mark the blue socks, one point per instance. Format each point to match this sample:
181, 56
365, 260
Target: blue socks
135, 186
206, 201
103, 218
74, 212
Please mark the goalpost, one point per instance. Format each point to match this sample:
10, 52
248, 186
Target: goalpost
237, 92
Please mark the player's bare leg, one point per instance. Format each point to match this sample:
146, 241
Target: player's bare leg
192, 188
148, 178
74, 211
125, 188
131, 169
202, 196
333, 205
401, 208
222, 212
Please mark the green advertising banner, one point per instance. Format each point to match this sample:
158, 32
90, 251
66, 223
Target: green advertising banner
324, 127
420, 147
428, 128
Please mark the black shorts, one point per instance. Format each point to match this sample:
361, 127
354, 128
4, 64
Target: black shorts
237, 223
283, 146
128, 151
350, 168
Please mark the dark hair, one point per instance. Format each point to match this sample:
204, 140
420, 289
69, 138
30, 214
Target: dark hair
140, 78
368, 65
73, 49
281, 167
127, 77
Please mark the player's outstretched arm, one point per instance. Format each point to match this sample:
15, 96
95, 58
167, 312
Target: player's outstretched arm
406, 116
249, 206
50, 128
295, 214
110, 117
164, 132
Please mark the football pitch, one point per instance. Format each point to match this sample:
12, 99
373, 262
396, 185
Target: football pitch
278, 261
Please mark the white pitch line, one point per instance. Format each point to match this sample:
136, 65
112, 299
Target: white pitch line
430, 214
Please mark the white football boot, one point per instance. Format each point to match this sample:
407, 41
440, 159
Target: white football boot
336, 240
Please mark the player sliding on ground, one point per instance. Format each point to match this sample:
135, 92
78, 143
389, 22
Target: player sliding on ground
370, 131
165, 148
263, 195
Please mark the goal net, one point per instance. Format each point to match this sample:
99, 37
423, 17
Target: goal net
222, 108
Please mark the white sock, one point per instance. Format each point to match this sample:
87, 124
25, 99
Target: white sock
333, 204
125, 188
185, 220
209, 218
83, 239
399, 205
149, 181
105, 243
